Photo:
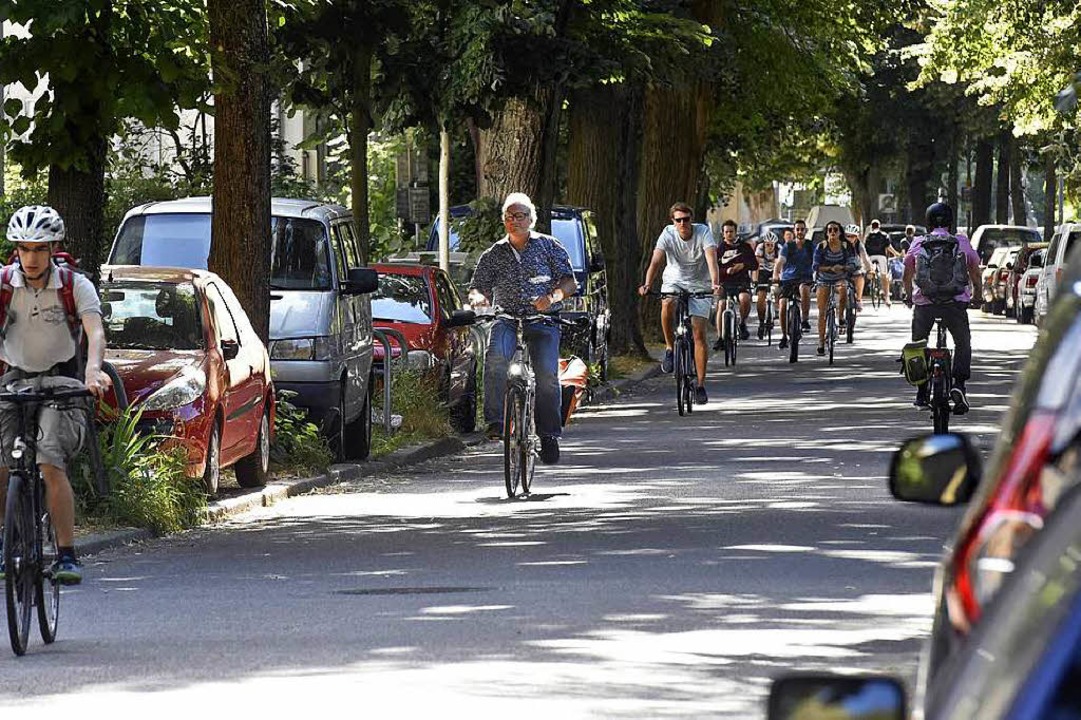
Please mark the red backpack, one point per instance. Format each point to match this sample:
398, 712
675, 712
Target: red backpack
67, 293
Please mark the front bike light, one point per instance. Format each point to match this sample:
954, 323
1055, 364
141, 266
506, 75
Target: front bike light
516, 370
184, 389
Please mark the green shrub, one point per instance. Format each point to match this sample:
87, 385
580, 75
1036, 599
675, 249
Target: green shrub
417, 398
298, 445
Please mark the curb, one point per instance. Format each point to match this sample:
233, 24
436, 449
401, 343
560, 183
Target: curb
279, 490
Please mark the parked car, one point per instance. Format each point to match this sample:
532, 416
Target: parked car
989, 238
191, 362
989, 275
576, 230
1026, 288
320, 313
1036, 461
1022, 662
1057, 256
1001, 281
422, 303
1017, 268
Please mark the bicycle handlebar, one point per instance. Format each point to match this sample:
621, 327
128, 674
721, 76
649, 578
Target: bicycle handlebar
681, 293
28, 395
536, 317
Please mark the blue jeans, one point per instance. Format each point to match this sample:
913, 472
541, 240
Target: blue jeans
542, 341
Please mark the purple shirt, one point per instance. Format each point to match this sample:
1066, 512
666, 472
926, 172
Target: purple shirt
966, 248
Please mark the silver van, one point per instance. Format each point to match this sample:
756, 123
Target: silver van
320, 312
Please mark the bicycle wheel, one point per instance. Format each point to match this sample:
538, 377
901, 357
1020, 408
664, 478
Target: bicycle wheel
527, 456
850, 323
679, 369
831, 331
769, 323
512, 438
19, 563
728, 333
689, 376
795, 331
940, 407
47, 590
876, 292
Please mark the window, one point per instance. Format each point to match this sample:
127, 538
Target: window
223, 318
169, 240
151, 316
299, 255
402, 298
1071, 246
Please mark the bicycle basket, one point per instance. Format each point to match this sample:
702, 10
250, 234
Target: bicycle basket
914, 362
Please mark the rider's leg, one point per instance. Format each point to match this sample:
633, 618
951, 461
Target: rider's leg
501, 344
955, 318
61, 503
886, 287
822, 296
761, 305
701, 350
860, 281
744, 306
922, 320
668, 311
543, 342
841, 289
782, 303
805, 297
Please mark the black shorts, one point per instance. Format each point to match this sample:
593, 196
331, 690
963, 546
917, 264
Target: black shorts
735, 288
790, 288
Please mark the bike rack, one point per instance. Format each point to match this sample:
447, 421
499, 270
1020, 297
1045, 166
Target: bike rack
381, 334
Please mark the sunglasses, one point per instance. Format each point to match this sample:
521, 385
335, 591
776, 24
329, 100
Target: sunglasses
684, 219
517, 217
833, 229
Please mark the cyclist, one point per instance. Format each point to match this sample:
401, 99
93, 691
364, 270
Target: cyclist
688, 254
953, 310
766, 254
40, 341
736, 262
524, 273
863, 264
794, 271
835, 261
877, 244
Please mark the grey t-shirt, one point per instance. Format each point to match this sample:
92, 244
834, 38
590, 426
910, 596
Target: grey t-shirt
686, 267
37, 335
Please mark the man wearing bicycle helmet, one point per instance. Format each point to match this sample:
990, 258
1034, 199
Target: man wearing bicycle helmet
39, 343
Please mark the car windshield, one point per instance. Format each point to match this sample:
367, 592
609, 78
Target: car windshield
994, 238
300, 259
151, 316
402, 298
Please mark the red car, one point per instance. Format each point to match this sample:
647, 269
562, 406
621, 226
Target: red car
190, 360
422, 303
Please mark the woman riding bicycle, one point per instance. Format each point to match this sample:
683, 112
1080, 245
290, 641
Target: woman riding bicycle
39, 342
524, 273
835, 262
767, 253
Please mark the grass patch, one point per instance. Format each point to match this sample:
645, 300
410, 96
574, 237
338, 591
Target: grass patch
623, 366
299, 449
416, 397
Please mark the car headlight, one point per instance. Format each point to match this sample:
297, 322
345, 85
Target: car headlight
184, 389
312, 348
419, 360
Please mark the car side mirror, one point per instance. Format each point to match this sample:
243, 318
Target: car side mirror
825, 697
596, 263
935, 469
361, 280
230, 349
460, 318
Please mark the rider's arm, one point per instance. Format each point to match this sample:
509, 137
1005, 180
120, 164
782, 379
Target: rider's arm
97, 381
714, 271
778, 267
656, 263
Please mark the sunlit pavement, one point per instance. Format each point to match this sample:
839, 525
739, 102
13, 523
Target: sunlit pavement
669, 567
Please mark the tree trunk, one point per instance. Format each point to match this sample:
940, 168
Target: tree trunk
79, 197
444, 198
1002, 179
240, 230
981, 188
918, 172
360, 124
1050, 188
601, 175
1017, 185
510, 154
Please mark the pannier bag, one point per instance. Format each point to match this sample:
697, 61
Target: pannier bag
914, 362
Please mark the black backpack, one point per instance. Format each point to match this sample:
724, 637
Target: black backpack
941, 268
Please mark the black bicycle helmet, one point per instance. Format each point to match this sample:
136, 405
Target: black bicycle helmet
939, 215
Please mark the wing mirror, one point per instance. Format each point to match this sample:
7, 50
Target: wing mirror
936, 469
460, 318
827, 697
361, 280
230, 349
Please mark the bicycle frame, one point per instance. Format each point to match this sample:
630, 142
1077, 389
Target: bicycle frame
729, 329
940, 372
683, 350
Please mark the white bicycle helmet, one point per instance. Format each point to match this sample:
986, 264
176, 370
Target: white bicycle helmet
770, 237
852, 229
35, 223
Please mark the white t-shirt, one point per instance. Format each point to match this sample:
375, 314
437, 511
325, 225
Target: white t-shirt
686, 267
37, 336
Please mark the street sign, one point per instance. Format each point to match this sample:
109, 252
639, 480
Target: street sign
419, 205
887, 203
401, 203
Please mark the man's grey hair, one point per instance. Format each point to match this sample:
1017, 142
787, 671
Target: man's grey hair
518, 198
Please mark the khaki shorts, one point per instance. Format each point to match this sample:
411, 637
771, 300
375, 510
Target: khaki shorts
61, 431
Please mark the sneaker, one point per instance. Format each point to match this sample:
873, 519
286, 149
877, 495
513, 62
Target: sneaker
821, 350
761, 331
700, 397
806, 326
718, 344
494, 431
549, 454
921, 400
66, 571
783, 344
744, 333
666, 364
960, 400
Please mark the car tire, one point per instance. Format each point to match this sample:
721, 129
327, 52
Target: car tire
252, 471
357, 435
212, 471
464, 414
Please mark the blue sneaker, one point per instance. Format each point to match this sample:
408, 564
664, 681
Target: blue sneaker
666, 364
66, 571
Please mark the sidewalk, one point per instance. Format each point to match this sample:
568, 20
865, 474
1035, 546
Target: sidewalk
277, 490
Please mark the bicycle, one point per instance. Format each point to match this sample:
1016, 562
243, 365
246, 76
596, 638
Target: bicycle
683, 367
767, 320
794, 323
729, 329
520, 442
940, 378
874, 287
832, 333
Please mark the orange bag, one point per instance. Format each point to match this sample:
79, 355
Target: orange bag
573, 378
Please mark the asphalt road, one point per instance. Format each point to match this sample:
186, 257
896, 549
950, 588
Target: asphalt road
668, 567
